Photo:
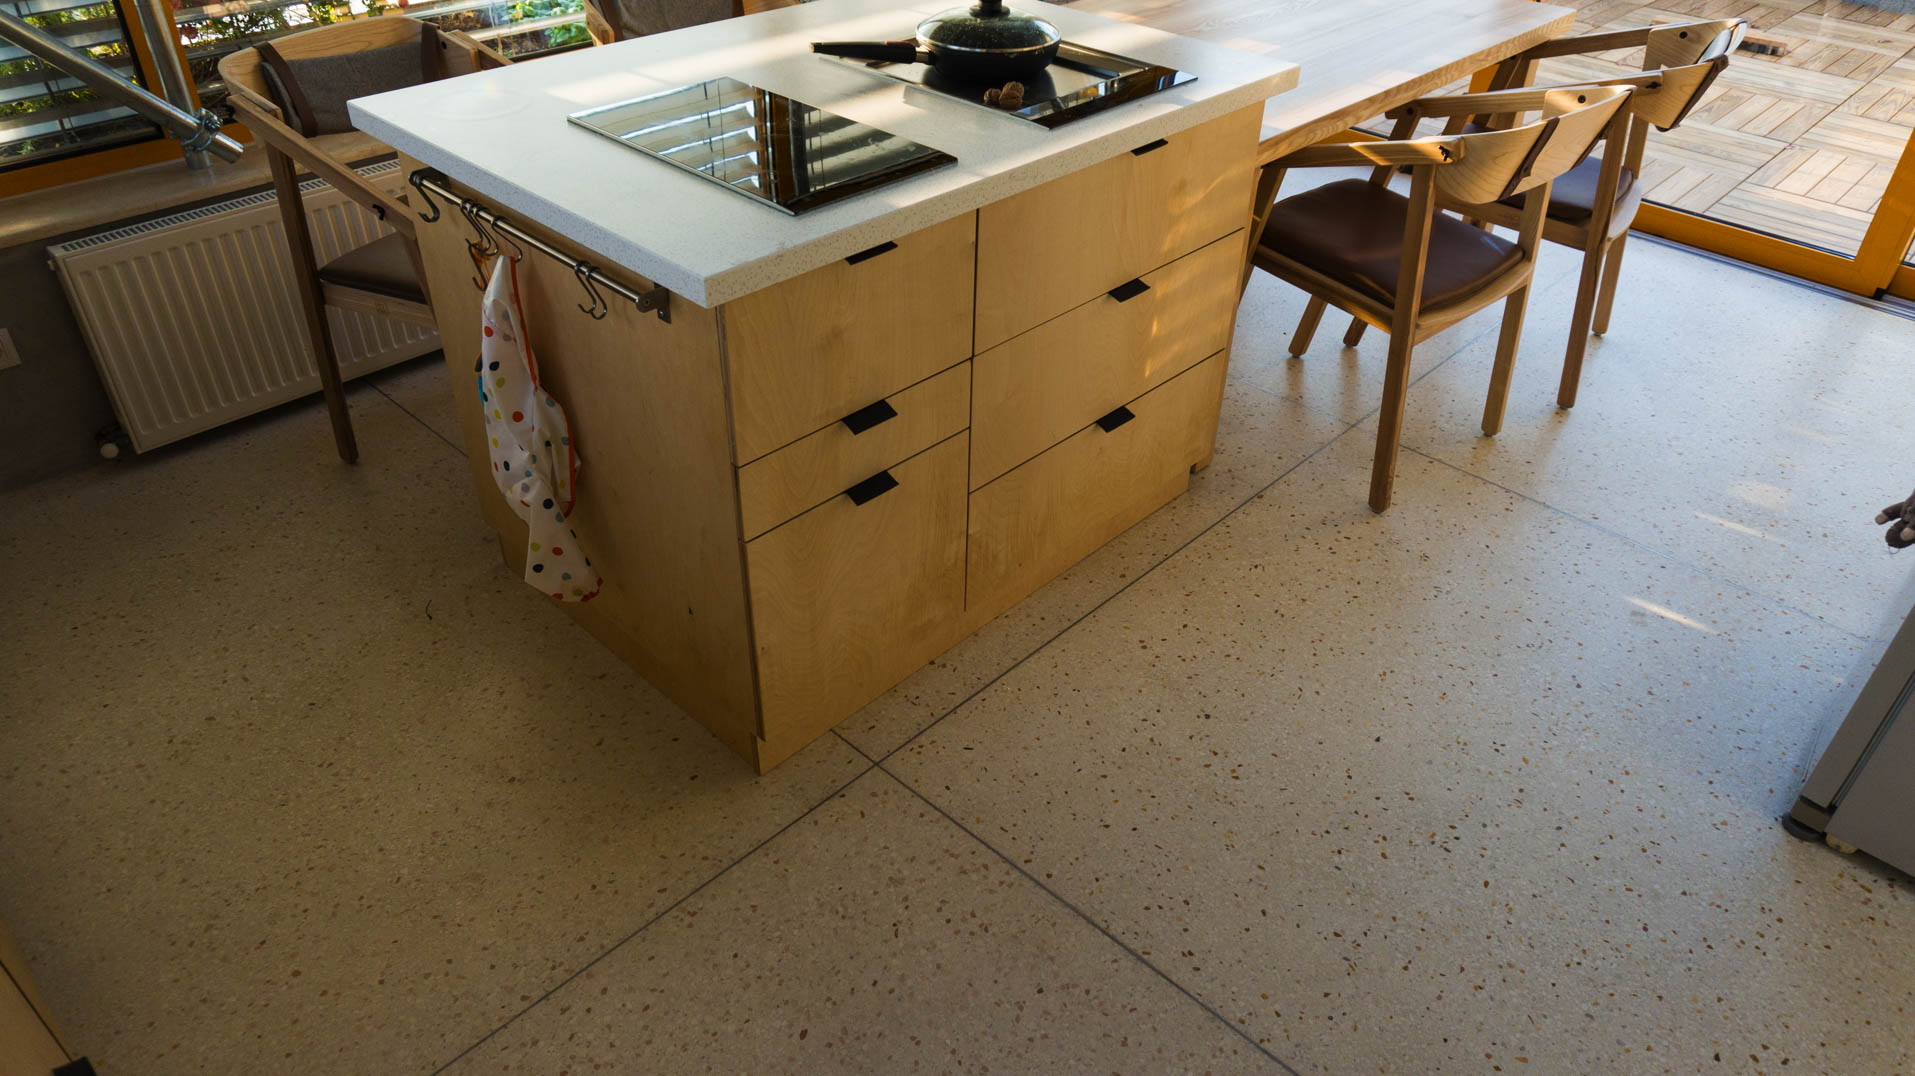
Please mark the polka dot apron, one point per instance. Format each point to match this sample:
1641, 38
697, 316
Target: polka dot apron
532, 456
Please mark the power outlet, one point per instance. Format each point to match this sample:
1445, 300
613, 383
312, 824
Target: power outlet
8, 356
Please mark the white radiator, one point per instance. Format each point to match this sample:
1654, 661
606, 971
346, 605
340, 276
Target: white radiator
194, 319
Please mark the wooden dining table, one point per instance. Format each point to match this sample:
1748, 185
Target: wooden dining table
1357, 58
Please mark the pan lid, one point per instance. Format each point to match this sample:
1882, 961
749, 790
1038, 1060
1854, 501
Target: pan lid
989, 27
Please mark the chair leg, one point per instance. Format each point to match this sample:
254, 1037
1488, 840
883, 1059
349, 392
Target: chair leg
1307, 328
1606, 297
1353, 335
1579, 327
1389, 422
313, 303
1513, 308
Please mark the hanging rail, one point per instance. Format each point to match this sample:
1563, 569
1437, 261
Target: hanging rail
431, 181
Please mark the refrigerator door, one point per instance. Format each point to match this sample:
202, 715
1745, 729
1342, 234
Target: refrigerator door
1877, 814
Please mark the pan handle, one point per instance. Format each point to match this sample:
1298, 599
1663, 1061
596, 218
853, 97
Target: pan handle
888, 51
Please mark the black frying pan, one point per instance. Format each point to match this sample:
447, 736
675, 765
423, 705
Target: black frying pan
985, 44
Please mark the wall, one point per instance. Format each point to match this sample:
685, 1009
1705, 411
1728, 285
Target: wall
53, 400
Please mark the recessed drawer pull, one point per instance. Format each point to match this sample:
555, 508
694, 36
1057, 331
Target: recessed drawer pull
866, 417
1150, 147
1115, 419
872, 488
866, 255
1128, 290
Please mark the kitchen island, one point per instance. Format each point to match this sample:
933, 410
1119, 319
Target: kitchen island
862, 431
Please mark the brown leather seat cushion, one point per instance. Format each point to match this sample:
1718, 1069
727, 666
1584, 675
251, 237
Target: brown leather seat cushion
381, 267
1352, 232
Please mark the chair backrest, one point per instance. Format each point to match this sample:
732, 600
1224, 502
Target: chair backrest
1496, 164
241, 70
1691, 55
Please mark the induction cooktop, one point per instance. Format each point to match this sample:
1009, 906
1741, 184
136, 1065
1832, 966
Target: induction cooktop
774, 149
1081, 82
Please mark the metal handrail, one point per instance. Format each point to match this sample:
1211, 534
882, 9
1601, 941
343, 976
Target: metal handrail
197, 133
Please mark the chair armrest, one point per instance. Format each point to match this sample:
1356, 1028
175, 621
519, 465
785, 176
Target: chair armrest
1443, 149
278, 136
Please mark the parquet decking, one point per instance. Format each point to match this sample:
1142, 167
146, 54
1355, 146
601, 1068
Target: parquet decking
1801, 145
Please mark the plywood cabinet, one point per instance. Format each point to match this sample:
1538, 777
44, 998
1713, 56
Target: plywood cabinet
1041, 386
1053, 510
1049, 249
805, 353
853, 595
803, 495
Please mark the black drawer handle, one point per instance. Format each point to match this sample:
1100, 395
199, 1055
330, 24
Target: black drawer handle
866, 417
872, 488
866, 255
1129, 290
1115, 419
1150, 147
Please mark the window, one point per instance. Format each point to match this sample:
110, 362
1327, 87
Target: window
521, 29
45, 114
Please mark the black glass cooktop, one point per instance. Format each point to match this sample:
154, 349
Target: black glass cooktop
1081, 82
766, 146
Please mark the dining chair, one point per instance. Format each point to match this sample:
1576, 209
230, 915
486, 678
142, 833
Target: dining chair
1680, 62
1397, 263
620, 20
291, 92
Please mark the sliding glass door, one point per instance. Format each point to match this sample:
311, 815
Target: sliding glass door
1800, 157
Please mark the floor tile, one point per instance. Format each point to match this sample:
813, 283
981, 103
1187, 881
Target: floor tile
873, 936
1259, 438
298, 778
1467, 785
1759, 448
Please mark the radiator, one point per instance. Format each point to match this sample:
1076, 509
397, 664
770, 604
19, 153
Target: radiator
194, 319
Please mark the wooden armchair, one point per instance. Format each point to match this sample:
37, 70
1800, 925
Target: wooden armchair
383, 277
1593, 204
1398, 264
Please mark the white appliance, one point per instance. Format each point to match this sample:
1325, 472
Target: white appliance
1861, 794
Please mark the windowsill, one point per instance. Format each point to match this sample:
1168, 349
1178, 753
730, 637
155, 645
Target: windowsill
151, 189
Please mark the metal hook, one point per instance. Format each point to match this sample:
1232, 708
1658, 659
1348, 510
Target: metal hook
481, 248
487, 244
599, 308
418, 181
499, 233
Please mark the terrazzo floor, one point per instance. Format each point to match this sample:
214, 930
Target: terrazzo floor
296, 778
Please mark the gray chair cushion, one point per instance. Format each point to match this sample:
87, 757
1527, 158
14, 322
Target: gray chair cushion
312, 92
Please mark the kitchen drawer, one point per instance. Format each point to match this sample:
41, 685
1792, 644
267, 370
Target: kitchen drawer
1043, 252
1040, 387
848, 599
822, 465
1049, 513
805, 353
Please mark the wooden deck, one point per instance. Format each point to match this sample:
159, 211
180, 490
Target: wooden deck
1800, 145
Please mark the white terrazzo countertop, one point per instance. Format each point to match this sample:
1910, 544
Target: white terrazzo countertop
504, 134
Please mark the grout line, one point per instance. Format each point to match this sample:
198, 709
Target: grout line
1094, 924
381, 390
1107, 599
662, 913
1645, 547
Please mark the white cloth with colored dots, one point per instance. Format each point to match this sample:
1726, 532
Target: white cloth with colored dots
532, 456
